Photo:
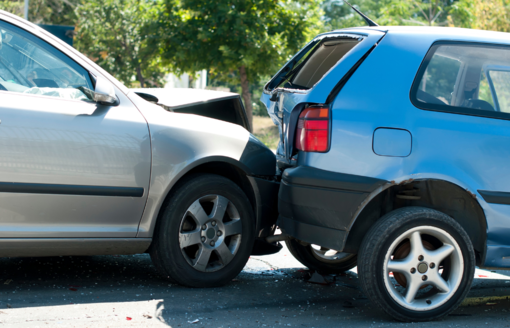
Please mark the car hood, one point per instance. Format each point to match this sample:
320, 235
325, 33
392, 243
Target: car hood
225, 106
179, 97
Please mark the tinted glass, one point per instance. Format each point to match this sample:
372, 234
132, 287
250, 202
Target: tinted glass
501, 83
465, 78
313, 62
30, 65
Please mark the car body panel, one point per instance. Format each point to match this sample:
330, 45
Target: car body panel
468, 151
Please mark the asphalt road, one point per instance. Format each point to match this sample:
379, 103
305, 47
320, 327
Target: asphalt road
125, 291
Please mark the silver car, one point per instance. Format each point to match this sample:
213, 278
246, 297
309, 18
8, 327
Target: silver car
89, 167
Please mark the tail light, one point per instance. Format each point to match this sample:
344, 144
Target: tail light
313, 130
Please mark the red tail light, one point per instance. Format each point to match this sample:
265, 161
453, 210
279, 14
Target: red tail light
313, 130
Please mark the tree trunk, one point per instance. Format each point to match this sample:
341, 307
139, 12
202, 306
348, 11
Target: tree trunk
140, 76
245, 86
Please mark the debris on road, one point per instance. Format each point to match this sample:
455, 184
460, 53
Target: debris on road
8, 281
194, 321
317, 278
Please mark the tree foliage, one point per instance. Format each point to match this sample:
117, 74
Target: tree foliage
235, 40
116, 33
484, 15
338, 14
57, 12
415, 12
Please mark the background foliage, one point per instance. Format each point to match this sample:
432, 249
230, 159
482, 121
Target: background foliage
139, 41
237, 41
116, 34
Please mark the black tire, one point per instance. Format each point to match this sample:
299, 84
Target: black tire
305, 255
171, 262
376, 246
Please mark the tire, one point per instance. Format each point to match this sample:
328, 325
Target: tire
186, 253
445, 262
316, 260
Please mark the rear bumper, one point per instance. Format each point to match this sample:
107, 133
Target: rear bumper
318, 206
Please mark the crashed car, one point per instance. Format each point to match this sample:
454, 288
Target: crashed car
393, 152
90, 167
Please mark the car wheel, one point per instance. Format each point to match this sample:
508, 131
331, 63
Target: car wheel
205, 233
321, 259
417, 264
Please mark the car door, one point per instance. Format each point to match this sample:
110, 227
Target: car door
69, 167
464, 89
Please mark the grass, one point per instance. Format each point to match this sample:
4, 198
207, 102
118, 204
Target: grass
265, 130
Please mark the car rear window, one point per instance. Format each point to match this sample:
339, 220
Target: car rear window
464, 78
313, 62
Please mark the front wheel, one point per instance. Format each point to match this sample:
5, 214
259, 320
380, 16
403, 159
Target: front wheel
205, 233
417, 264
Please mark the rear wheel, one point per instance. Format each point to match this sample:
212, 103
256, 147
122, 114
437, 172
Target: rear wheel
205, 233
417, 264
321, 259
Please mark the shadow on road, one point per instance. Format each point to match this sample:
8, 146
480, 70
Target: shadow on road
258, 295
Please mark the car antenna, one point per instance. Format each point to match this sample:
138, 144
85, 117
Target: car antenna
368, 20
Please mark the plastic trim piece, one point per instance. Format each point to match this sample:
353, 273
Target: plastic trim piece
312, 177
30, 247
326, 237
495, 197
318, 206
58, 189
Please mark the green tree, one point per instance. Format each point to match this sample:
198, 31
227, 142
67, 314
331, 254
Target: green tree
339, 15
56, 12
415, 12
238, 41
484, 15
115, 34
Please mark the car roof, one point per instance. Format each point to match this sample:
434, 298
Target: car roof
435, 32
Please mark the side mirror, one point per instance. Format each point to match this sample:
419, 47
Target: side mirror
105, 92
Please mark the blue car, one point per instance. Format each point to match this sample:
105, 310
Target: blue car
395, 157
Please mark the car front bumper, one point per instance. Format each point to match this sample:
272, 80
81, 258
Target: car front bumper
318, 206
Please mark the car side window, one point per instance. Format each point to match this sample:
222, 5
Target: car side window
464, 78
500, 82
440, 77
29, 65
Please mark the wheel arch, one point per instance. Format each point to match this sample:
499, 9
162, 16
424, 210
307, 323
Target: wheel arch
444, 196
234, 170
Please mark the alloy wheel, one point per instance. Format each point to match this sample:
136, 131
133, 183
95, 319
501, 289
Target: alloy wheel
210, 233
429, 274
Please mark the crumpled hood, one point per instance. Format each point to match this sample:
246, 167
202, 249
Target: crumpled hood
175, 98
224, 106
